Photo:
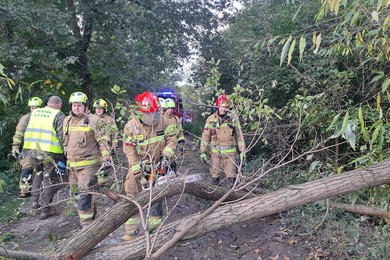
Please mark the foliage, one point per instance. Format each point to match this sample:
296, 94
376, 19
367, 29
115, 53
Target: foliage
342, 234
9, 176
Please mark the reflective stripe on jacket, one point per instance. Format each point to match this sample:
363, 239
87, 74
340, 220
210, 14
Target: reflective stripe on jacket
83, 143
174, 120
40, 133
20, 129
222, 134
144, 142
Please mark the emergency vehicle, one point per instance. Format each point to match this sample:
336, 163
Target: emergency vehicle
171, 94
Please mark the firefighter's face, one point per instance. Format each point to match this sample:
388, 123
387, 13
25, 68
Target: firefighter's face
99, 111
223, 109
78, 108
169, 111
32, 108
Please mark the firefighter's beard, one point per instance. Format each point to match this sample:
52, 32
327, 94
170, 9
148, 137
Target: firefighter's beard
151, 118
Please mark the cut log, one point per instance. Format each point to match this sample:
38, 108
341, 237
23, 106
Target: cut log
265, 205
79, 245
362, 210
261, 206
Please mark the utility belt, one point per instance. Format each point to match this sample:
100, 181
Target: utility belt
223, 149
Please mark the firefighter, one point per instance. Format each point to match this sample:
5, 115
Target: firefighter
101, 108
26, 174
169, 106
150, 143
87, 153
43, 146
222, 135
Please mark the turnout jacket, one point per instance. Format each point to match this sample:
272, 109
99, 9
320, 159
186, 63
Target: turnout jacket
148, 142
174, 120
84, 144
222, 134
17, 140
109, 128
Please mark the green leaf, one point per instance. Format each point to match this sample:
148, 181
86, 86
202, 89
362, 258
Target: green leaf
385, 85
337, 131
285, 49
375, 134
345, 122
362, 125
313, 165
259, 46
381, 138
379, 5
116, 89
290, 52
376, 78
374, 16
317, 44
302, 46
50, 236
3, 99
296, 13
350, 136
270, 42
354, 199
335, 119
355, 17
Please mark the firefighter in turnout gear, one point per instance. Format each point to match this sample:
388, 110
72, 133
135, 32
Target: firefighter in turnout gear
150, 144
109, 128
222, 135
26, 174
43, 146
168, 106
87, 153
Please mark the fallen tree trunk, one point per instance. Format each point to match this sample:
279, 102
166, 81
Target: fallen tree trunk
86, 239
265, 205
362, 210
281, 200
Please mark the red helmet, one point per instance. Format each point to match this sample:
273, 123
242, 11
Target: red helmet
222, 100
147, 102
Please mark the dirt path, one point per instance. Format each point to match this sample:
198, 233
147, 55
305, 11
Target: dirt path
265, 238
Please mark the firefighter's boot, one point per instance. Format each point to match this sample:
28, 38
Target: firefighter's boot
24, 195
132, 228
35, 205
215, 181
45, 213
154, 222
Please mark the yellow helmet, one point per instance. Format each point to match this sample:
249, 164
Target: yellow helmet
170, 103
101, 103
78, 97
35, 101
162, 103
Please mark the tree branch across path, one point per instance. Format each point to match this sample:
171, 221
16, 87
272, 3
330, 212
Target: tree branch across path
224, 216
257, 207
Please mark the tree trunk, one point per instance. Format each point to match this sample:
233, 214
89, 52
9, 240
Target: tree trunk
85, 240
362, 209
224, 216
257, 207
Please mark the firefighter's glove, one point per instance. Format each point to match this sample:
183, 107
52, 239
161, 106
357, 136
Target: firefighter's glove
243, 156
165, 162
15, 152
60, 168
203, 157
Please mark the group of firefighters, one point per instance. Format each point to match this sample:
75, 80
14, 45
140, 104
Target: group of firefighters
51, 146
